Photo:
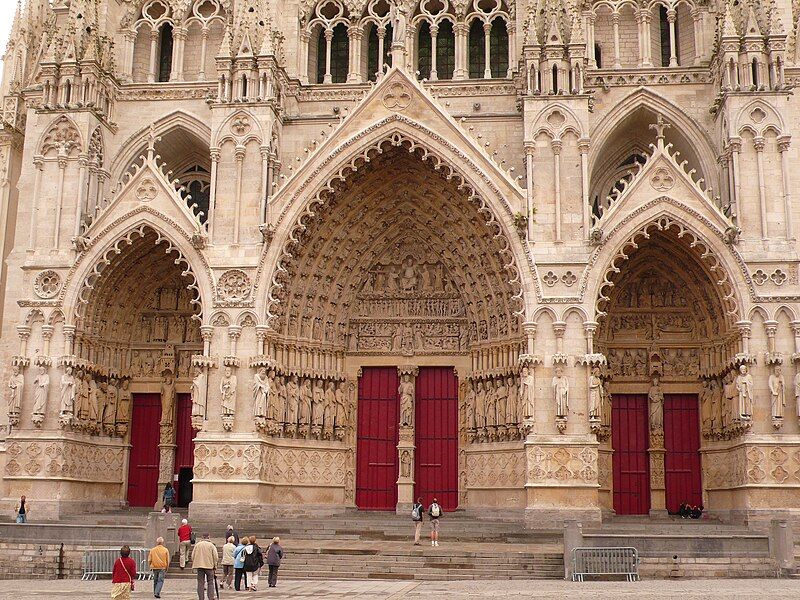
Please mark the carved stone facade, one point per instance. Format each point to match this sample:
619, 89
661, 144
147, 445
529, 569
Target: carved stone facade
249, 224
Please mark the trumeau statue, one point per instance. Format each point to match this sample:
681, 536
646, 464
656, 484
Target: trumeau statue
167, 399
561, 392
655, 397
777, 390
744, 388
261, 393
199, 389
227, 392
406, 393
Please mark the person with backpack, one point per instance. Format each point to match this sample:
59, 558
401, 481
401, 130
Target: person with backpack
435, 513
238, 564
169, 496
253, 561
416, 517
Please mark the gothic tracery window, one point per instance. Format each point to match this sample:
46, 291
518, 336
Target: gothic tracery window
377, 28
329, 30
436, 50
488, 40
196, 190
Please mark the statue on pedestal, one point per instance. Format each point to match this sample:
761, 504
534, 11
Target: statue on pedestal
528, 394
261, 392
16, 384
41, 387
744, 387
595, 395
67, 408
167, 399
777, 389
406, 392
655, 397
561, 392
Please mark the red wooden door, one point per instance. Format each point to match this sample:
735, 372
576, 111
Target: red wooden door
436, 464
378, 424
143, 462
184, 456
631, 464
682, 443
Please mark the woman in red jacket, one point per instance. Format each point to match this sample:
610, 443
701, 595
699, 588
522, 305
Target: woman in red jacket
123, 575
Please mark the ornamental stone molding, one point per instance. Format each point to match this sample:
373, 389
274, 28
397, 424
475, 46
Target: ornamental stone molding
47, 284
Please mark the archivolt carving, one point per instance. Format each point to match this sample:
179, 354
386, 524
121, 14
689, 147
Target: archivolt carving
126, 244
703, 250
338, 238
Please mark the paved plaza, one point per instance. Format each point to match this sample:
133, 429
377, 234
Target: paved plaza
183, 589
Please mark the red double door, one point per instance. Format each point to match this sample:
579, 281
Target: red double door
144, 456
631, 462
436, 429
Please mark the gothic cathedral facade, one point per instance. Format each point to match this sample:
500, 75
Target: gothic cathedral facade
540, 259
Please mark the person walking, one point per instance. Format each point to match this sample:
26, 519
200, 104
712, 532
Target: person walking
435, 513
22, 510
227, 563
169, 496
230, 531
158, 559
274, 557
416, 517
123, 575
185, 539
238, 565
204, 560
253, 561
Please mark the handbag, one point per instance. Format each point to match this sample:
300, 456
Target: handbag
192, 538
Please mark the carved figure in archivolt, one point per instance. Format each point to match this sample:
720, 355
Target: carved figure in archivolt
528, 393
777, 390
561, 392
16, 385
744, 388
595, 394
67, 393
199, 389
406, 392
167, 399
261, 394
512, 402
227, 392
41, 387
655, 398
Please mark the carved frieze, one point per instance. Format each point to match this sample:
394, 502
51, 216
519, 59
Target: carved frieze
495, 469
65, 459
555, 466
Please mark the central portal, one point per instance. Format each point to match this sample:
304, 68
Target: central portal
435, 438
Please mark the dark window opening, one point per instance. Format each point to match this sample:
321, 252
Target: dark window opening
374, 48
445, 51
477, 58
424, 51
498, 48
165, 53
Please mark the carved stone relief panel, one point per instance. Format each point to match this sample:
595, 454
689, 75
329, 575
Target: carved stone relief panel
548, 465
497, 468
408, 305
65, 459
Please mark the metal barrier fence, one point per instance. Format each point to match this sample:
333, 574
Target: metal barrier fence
101, 562
605, 561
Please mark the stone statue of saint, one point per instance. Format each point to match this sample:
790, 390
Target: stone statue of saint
490, 402
501, 399
655, 397
480, 405
277, 405
512, 402
329, 405
705, 406
94, 399
199, 389
406, 393
595, 394
744, 388
41, 387
527, 393
16, 383
405, 464
292, 398
777, 387
715, 394
397, 14
67, 393
261, 392
305, 402
317, 403
341, 404
561, 392
167, 399
227, 392
124, 402
110, 414
469, 402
